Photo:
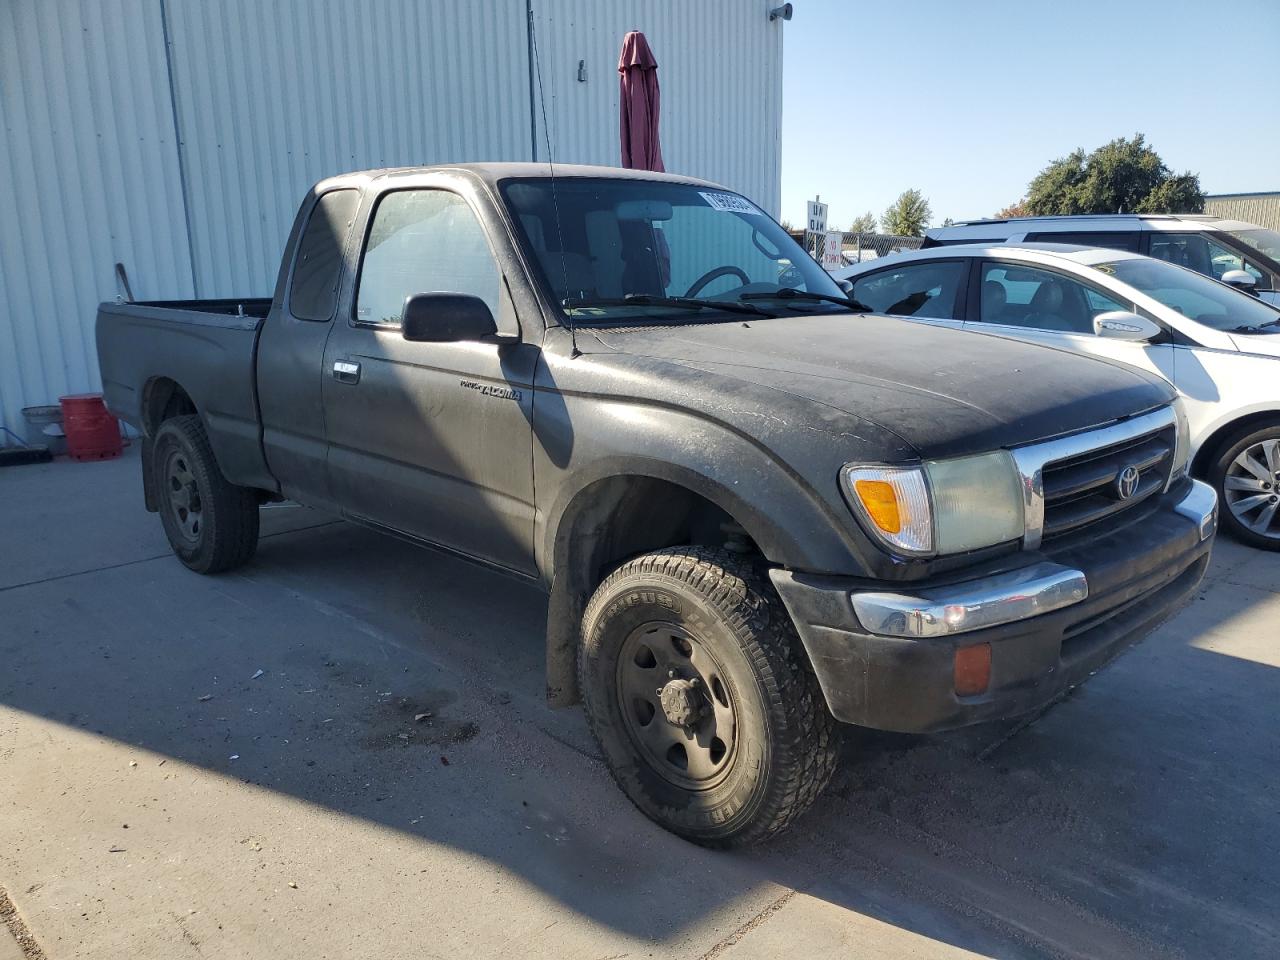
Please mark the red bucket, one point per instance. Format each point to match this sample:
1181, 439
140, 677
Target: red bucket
92, 433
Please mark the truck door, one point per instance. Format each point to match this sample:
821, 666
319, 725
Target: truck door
432, 440
291, 349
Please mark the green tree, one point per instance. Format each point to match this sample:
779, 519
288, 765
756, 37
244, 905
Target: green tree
1179, 193
908, 216
864, 224
1123, 176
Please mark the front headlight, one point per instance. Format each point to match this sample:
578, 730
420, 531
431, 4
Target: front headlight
1182, 447
941, 506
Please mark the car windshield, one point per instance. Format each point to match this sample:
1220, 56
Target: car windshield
620, 251
1194, 295
1266, 242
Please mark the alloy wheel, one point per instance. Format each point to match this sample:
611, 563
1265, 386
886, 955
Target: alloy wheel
1251, 487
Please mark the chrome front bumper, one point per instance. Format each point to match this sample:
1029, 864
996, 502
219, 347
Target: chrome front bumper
1003, 598
1200, 506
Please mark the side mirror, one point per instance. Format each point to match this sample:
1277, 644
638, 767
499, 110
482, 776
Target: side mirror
447, 318
845, 285
1240, 279
1123, 325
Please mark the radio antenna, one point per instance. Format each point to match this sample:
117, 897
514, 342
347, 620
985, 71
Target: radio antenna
555, 198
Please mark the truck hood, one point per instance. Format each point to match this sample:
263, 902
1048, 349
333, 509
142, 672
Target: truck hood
945, 392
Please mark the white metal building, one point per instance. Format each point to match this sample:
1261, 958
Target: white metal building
177, 136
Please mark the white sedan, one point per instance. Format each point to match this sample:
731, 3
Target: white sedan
1219, 347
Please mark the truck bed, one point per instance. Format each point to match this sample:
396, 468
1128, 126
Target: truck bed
257, 307
208, 349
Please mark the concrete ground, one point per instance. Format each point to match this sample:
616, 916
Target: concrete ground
231, 767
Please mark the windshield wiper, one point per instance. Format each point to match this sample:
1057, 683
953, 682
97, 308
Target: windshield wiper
687, 303
1253, 328
791, 293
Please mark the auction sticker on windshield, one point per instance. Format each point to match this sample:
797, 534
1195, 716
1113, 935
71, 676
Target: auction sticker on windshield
730, 203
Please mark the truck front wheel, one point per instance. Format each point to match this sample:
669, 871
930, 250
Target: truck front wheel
698, 692
212, 524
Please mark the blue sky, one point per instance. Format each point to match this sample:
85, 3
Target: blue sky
967, 101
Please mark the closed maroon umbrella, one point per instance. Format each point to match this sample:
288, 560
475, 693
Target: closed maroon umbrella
638, 102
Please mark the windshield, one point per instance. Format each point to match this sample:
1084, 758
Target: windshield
624, 250
1266, 242
1194, 295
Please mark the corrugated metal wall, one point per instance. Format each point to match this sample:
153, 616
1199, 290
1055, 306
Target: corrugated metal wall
176, 136
88, 176
1260, 208
273, 96
720, 71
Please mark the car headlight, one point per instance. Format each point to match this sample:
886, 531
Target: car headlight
1182, 447
940, 506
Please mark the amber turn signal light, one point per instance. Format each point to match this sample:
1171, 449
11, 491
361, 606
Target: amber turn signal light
881, 503
973, 670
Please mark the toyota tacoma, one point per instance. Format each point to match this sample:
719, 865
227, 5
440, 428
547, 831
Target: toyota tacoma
755, 520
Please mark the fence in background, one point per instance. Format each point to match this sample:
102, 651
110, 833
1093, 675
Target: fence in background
857, 247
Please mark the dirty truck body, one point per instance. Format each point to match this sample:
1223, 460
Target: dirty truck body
757, 510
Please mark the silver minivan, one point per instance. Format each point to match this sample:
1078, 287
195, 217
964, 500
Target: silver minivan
1242, 254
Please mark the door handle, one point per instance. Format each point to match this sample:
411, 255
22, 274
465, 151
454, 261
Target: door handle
345, 371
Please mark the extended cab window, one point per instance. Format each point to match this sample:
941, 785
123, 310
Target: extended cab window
313, 291
1019, 296
423, 241
919, 290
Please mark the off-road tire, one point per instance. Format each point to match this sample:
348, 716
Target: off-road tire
1216, 475
227, 535
786, 740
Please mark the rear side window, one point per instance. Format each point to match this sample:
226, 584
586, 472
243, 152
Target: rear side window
918, 290
1108, 239
313, 291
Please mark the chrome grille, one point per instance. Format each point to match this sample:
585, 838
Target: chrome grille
1082, 490
1071, 482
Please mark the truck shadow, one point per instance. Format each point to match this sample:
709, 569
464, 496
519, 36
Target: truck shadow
405, 688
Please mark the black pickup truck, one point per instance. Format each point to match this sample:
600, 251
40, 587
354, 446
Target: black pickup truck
758, 511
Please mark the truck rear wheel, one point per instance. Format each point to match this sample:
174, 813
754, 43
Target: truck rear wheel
701, 699
1246, 473
212, 524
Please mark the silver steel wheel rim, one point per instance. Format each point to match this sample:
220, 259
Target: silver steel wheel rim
1250, 488
183, 496
659, 656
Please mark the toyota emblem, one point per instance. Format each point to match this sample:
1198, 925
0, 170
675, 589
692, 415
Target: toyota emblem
1127, 483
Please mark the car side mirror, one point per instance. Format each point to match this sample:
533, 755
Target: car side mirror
448, 318
1123, 325
1240, 279
846, 286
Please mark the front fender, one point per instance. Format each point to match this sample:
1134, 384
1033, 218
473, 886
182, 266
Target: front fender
581, 441
590, 453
